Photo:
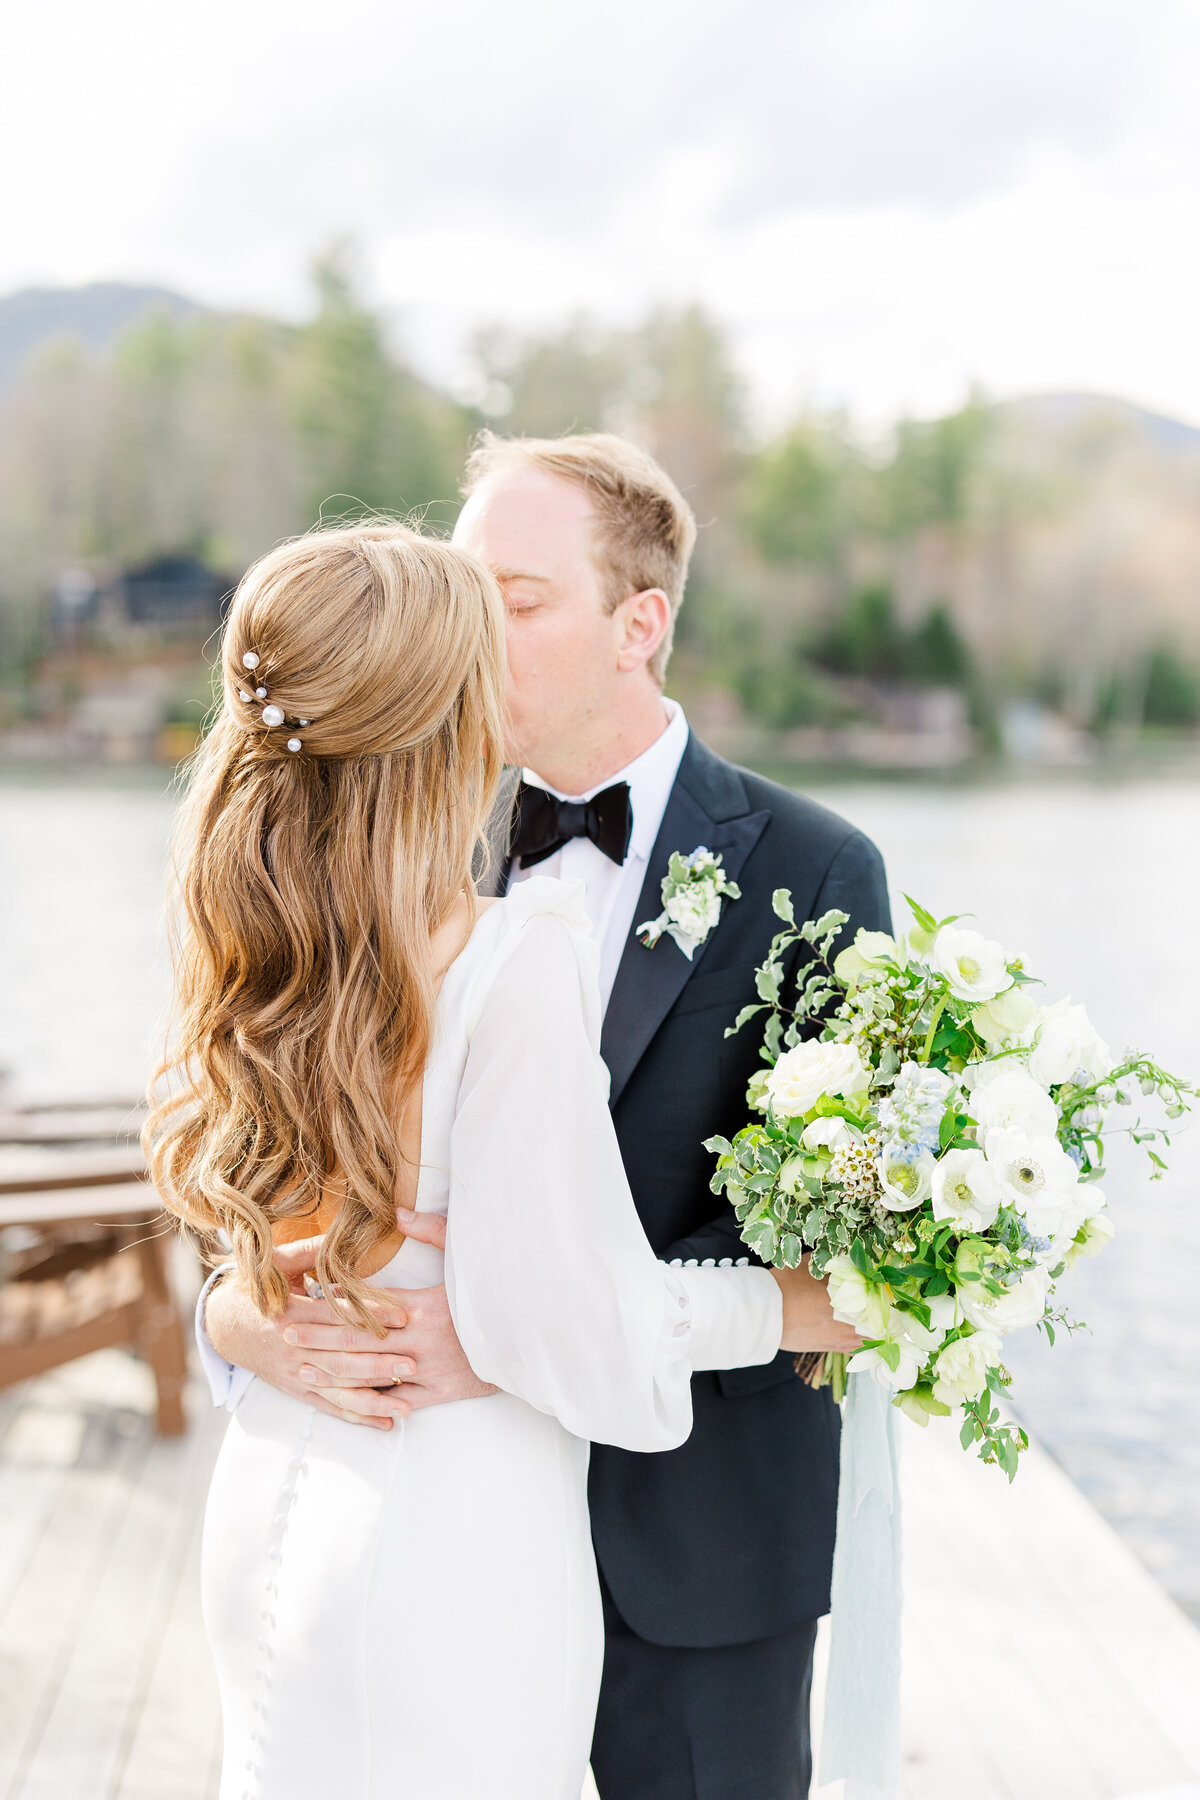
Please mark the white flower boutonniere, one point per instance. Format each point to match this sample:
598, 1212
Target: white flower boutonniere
692, 891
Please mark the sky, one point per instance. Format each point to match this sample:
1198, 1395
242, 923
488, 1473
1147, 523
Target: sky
882, 201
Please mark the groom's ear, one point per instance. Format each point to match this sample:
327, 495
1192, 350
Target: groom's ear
643, 621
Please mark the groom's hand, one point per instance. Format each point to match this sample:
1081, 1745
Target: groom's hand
808, 1321
268, 1348
342, 1369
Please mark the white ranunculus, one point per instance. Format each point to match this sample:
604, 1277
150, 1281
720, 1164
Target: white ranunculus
825, 1134
1010, 1019
966, 1189
695, 909
1020, 1305
1068, 1045
805, 1074
1037, 1177
974, 966
869, 951
854, 1300
871, 1362
906, 1180
960, 1372
1005, 1098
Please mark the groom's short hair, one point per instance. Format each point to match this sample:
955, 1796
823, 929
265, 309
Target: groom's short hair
645, 527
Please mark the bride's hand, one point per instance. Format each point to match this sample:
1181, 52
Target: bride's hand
808, 1321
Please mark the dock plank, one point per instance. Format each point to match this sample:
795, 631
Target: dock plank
104, 1683
175, 1740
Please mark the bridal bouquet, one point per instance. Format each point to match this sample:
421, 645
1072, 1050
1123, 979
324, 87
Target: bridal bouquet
937, 1148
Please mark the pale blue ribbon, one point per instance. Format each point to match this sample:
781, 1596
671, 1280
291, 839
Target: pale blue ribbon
861, 1739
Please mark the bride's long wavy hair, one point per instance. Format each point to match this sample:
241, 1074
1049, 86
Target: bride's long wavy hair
309, 883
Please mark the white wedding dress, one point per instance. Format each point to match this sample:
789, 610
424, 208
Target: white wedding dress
414, 1614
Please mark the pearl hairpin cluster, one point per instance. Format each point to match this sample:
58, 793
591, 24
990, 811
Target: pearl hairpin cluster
271, 715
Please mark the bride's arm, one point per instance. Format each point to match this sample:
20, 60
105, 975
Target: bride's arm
555, 1292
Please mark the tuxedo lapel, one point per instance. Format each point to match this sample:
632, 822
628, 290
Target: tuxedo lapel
708, 805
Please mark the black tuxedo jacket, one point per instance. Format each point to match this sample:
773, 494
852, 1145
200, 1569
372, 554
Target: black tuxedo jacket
730, 1537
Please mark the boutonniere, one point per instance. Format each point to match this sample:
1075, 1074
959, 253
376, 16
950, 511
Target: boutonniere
692, 891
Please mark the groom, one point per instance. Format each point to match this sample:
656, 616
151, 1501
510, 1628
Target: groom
714, 1558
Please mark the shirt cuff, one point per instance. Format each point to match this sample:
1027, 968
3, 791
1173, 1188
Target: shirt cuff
226, 1382
737, 1315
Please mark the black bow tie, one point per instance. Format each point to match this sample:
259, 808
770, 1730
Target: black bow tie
543, 823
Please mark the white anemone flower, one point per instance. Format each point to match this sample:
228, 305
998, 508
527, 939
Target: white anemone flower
966, 1189
1036, 1176
974, 966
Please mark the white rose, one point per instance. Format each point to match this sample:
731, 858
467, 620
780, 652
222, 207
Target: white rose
1068, 1045
825, 1134
973, 965
695, 909
966, 1189
869, 951
1037, 1177
1008, 1019
854, 1300
805, 1074
871, 1362
1005, 1098
1017, 1307
960, 1372
906, 1182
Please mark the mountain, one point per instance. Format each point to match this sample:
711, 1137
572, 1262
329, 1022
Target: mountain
1059, 415
95, 314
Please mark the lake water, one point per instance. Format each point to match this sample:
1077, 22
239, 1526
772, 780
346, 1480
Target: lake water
1099, 888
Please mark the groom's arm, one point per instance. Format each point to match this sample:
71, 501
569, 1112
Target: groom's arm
308, 1352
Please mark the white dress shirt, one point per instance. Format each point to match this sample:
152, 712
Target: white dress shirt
737, 1308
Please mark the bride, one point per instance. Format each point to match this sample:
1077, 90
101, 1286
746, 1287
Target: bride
412, 1613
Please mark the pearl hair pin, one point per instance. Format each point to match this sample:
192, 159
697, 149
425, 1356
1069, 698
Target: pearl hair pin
272, 714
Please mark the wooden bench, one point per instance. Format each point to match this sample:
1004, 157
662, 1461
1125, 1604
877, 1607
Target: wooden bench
83, 1266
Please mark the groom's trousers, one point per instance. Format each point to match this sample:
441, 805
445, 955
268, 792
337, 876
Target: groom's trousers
729, 1723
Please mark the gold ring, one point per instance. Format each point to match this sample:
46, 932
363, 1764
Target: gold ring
397, 1381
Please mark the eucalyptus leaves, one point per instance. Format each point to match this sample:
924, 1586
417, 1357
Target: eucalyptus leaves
934, 1138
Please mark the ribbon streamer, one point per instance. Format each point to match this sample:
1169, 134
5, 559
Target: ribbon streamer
861, 1739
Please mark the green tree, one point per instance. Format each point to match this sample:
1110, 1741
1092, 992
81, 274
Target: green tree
372, 436
792, 497
1172, 693
928, 480
935, 654
866, 640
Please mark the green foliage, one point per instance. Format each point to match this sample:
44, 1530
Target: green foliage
867, 639
1172, 691
793, 503
935, 654
929, 478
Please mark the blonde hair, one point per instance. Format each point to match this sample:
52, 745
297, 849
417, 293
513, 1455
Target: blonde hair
646, 530
310, 883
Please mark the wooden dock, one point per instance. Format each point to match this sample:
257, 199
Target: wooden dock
1041, 1661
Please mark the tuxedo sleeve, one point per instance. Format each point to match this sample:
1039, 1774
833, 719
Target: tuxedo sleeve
854, 882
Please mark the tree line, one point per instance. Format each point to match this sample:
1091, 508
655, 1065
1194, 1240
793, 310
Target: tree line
979, 551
